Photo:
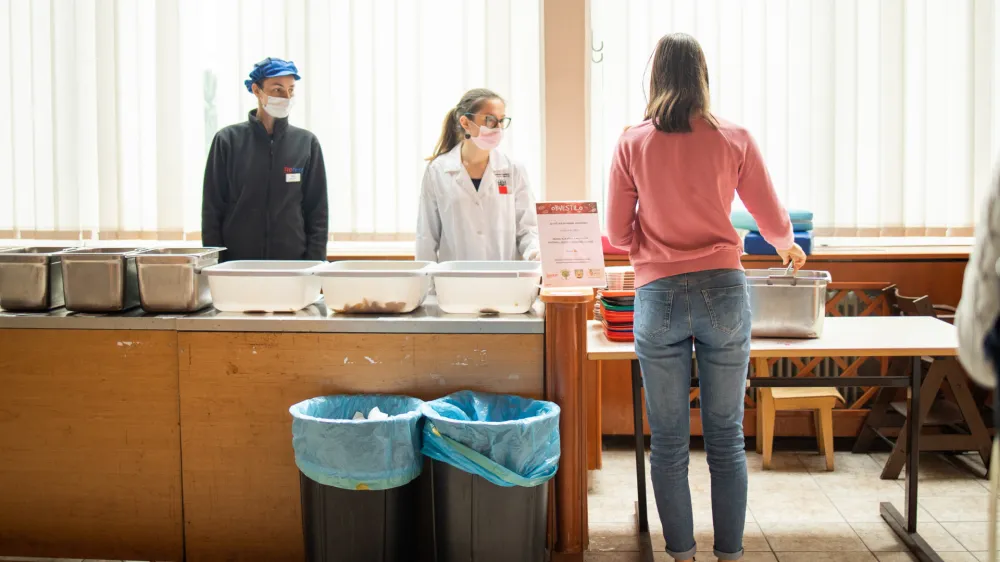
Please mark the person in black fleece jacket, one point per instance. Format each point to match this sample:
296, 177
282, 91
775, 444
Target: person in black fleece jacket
265, 193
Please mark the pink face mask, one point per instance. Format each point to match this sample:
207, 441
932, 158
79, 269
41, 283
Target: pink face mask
488, 139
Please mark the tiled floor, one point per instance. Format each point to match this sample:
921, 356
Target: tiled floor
798, 512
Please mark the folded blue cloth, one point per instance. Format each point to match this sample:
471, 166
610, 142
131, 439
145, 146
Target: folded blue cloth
754, 244
802, 221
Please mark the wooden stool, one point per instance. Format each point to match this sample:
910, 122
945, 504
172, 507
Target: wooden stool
821, 401
843, 299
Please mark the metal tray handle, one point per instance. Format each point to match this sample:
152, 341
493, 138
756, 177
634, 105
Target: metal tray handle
787, 273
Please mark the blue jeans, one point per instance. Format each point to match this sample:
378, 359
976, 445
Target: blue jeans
713, 309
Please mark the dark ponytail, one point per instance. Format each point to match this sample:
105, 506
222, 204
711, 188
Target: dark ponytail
451, 130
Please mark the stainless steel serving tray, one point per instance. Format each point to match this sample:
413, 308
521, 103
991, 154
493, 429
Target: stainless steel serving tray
170, 279
31, 279
787, 305
100, 279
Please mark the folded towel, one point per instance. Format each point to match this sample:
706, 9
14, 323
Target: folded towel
754, 244
802, 221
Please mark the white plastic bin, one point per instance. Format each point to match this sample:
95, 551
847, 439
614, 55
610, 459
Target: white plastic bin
263, 286
374, 287
481, 287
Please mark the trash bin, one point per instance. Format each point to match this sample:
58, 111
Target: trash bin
492, 459
358, 477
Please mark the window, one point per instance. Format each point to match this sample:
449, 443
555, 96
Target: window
882, 117
109, 106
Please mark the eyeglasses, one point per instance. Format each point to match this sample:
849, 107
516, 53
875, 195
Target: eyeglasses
491, 121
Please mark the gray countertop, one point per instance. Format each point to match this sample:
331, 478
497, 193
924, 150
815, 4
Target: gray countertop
315, 318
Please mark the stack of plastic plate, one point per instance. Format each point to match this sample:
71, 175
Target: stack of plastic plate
617, 310
620, 278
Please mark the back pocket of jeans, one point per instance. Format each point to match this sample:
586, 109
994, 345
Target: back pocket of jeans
725, 305
652, 311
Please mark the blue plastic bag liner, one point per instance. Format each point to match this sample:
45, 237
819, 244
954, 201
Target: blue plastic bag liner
802, 221
755, 245
332, 449
508, 440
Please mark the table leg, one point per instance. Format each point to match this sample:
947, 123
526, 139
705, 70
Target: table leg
913, 444
761, 369
906, 528
640, 445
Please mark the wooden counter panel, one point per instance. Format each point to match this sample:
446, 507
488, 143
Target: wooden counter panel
241, 488
937, 275
940, 279
820, 252
90, 445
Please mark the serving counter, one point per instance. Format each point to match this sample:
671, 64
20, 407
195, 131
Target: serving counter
315, 318
167, 437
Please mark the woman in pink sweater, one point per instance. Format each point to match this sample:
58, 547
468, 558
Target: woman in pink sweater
672, 185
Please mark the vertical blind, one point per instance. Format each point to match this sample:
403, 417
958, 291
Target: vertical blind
880, 116
109, 106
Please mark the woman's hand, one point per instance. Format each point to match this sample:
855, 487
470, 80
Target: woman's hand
796, 254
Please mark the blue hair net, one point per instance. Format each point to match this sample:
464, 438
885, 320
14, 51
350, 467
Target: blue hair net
269, 68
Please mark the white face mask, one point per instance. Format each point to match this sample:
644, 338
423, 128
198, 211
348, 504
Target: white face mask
488, 139
279, 108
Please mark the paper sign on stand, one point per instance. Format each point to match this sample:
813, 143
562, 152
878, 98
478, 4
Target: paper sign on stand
570, 238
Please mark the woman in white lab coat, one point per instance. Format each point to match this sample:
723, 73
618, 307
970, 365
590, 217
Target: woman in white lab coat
475, 202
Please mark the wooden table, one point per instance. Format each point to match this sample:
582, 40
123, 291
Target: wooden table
860, 337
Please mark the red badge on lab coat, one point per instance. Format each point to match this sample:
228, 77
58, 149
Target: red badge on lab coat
502, 186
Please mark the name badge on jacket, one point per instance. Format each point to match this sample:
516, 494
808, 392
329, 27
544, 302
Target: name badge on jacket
293, 175
502, 183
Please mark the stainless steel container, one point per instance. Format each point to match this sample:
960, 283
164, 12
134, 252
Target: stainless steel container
170, 279
2, 251
787, 305
31, 279
100, 279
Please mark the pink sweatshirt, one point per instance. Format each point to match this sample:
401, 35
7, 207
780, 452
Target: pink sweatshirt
670, 196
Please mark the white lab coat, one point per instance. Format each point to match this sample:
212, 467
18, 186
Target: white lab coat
458, 223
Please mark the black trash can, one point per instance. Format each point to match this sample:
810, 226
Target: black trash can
354, 526
360, 479
478, 521
492, 459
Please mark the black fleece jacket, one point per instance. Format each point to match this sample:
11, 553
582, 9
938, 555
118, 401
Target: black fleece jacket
265, 195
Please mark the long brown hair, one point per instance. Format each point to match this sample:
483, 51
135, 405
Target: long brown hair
451, 130
678, 84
